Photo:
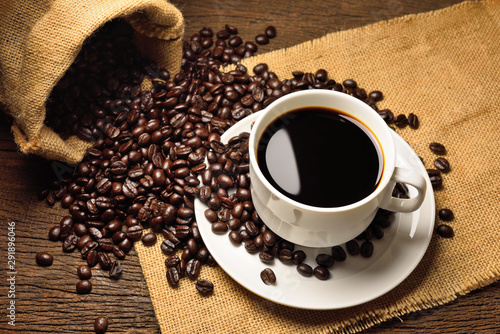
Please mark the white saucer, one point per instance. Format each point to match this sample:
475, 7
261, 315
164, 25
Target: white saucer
353, 282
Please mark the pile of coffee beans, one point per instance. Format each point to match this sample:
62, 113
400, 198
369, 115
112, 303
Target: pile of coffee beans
156, 150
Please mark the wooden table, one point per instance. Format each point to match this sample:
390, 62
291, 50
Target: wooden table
45, 298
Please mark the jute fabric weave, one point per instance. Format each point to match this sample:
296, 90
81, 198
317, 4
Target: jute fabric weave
442, 66
39, 40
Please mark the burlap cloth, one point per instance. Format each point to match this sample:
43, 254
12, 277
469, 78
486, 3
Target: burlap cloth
40, 39
443, 66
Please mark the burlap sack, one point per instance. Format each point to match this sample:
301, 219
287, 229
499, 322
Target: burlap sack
442, 66
39, 40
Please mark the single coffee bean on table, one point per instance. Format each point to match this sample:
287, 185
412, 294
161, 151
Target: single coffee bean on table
445, 231
84, 272
205, 287
446, 214
442, 165
83, 287
101, 325
44, 259
437, 148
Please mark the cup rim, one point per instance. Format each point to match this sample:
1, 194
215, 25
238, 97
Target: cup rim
387, 171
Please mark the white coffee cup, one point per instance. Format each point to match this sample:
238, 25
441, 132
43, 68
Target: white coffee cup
319, 226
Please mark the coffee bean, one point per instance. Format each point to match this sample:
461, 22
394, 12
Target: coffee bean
413, 121
445, 231
235, 237
116, 270
325, 260
172, 261
69, 243
84, 272
270, 32
83, 287
55, 233
134, 232
321, 273
267, 276
401, 121
436, 181
352, 247
446, 214
262, 39
366, 249
305, 270
285, 255
338, 253
149, 239
44, 259
376, 95
100, 325
204, 287
298, 257
219, 227
104, 260
266, 257
193, 268
386, 115
437, 148
442, 164
173, 276
349, 83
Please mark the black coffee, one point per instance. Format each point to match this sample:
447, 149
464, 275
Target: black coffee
320, 157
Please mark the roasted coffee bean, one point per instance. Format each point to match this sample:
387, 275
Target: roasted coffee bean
95, 233
267, 276
366, 249
134, 232
446, 214
338, 253
349, 83
204, 286
55, 233
69, 244
436, 181
270, 32
305, 270
100, 325
266, 257
376, 95
119, 254
298, 257
173, 276
321, 273
193, 268
352, 247
442, 164
445, 231
285, 255
83, 287
285, 244
261, 39
92, 258
235, 237
172, 261
386, 115
401, 121
250, 246
84, 272
104, 260
44, 259
437, 148
260, 68
219, 227
413, 121
168, 247
116, 270
269, 238
149, 239
325, 260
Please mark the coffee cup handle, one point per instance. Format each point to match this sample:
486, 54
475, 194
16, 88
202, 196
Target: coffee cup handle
412, 178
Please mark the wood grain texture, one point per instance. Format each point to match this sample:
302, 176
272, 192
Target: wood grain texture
46, 301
